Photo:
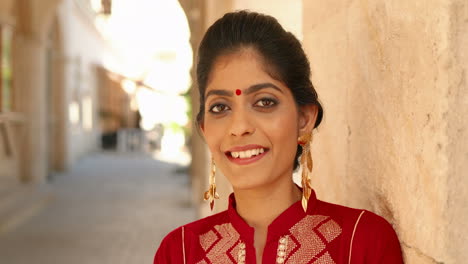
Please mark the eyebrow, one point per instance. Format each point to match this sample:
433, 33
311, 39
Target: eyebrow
252, 89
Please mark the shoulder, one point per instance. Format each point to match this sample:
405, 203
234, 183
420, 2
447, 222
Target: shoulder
375, 240
170, 244
355, 217
372, 222
345, 216
372, 238
183, 237
372, 227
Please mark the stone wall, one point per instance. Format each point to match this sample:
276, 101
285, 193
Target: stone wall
392, 78
457, 131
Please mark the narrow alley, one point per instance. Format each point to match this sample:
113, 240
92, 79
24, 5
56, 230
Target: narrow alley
110, 208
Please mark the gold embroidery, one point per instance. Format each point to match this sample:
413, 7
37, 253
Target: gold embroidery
292, 245
310, 244
238, 253
304, 236
330, 230
324, 259
222, 244
241, 253
207, 239
221, 248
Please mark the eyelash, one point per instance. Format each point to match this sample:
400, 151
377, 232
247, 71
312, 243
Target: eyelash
271, 101
217, 105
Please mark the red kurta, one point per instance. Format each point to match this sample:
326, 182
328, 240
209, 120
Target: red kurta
327, 233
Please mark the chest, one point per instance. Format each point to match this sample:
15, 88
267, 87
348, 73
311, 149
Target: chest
314, 239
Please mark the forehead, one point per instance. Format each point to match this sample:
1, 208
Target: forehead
233, 70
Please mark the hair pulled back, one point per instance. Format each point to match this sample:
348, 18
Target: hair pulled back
280, 50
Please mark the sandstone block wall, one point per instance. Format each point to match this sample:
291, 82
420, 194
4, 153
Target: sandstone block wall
392, 76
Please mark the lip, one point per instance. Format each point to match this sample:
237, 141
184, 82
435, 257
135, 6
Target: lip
246, 161
246, 147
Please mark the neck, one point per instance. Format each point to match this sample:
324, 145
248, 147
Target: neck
260, 206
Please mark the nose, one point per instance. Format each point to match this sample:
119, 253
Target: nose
241, 124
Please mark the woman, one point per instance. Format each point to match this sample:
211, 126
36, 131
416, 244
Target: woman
257, 112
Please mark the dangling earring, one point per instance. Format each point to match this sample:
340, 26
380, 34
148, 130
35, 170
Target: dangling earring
306, 164
211, 193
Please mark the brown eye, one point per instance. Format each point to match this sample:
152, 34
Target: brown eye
265, 102
218, 108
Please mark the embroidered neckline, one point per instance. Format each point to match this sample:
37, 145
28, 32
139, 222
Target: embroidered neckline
279, 227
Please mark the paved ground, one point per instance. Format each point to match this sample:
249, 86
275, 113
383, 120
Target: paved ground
110, 209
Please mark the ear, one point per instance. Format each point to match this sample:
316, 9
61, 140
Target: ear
307, 117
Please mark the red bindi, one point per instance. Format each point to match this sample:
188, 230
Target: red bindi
238, 92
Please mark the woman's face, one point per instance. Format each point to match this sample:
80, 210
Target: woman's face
251, 122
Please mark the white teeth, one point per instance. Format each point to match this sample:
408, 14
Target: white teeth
247, 154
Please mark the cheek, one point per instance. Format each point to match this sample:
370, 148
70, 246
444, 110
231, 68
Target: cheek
213, 135
283, 131
284, 126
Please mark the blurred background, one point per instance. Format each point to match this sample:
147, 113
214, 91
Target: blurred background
100, 159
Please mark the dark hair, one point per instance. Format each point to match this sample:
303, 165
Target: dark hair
281, 51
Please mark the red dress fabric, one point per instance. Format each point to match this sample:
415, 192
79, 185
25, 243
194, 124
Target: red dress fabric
325, 234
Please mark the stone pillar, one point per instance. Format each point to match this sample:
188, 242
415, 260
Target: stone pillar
392, 78
30, 61
60, 65
198, 170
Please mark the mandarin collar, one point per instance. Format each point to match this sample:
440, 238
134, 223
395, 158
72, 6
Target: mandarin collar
279, 227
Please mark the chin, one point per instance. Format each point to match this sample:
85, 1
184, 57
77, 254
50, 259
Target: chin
249, 183
247, 186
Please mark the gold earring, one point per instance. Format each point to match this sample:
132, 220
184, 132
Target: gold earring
306, 164
211, 192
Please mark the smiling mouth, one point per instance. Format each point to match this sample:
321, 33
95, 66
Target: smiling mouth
247, 153
247, 156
